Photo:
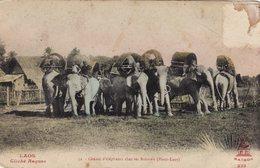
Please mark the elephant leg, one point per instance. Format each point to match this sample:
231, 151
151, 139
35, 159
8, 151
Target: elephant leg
48, 111
61, 108
205, 105
156, 107
144, 102
222, 104
235, 93
150, 107
56, 109
61, 101
129, 102
199, 112
212, 90
72, 94
196, 98
118, 107
100, 105
93, 107
138, 105
80, 104
228, 101
129, 109
87, 106
168, 103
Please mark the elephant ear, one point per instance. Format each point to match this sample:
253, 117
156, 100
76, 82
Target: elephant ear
142, 79
57, 80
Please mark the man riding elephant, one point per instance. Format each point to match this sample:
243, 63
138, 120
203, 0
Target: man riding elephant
224, 63
85, 69
191, 62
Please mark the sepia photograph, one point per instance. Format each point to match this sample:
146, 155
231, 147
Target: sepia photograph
115, 84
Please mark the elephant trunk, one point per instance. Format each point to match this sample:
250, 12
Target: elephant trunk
144, 104
162, 81
142, 81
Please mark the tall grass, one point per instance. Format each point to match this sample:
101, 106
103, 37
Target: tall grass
229, 142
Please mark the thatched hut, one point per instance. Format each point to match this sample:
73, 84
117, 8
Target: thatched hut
28, 66
152, 58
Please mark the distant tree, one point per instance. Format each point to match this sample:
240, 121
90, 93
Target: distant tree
12, 54
2, 50
258, 79
105, 63
74, 52
48, 51
239, 80
246, 80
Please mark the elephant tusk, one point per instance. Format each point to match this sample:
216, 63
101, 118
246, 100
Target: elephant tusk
166, 90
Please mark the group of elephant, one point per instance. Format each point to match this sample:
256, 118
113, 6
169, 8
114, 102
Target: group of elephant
142, 89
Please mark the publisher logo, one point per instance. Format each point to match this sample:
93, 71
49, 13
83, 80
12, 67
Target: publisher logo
243, 150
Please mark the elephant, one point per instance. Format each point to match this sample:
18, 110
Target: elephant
153, 90
54, 93
181, 85
105, 96
131, 89
82, 90
226, 84
53, 66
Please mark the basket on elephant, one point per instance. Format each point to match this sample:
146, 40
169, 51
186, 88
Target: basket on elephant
178, 61
95, 68
75, 60
126, 63
53, 61
181, 101
152, 58
224, 63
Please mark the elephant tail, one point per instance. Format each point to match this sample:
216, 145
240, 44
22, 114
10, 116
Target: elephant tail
216, 85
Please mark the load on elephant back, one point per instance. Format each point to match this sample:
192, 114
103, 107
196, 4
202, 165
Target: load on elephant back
185, 63
224, 63
127, 63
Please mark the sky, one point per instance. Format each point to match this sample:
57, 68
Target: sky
112, 28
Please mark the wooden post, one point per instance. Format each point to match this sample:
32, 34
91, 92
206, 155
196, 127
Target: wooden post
19, 97
7, 96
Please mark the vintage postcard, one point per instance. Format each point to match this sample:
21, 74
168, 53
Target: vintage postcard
111, 84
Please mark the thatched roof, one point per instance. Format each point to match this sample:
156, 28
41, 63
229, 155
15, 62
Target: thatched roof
9, 78
30, 66
2, 73
27, 65
224, 60
152, 58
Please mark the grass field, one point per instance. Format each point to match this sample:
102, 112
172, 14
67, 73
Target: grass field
25, 127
